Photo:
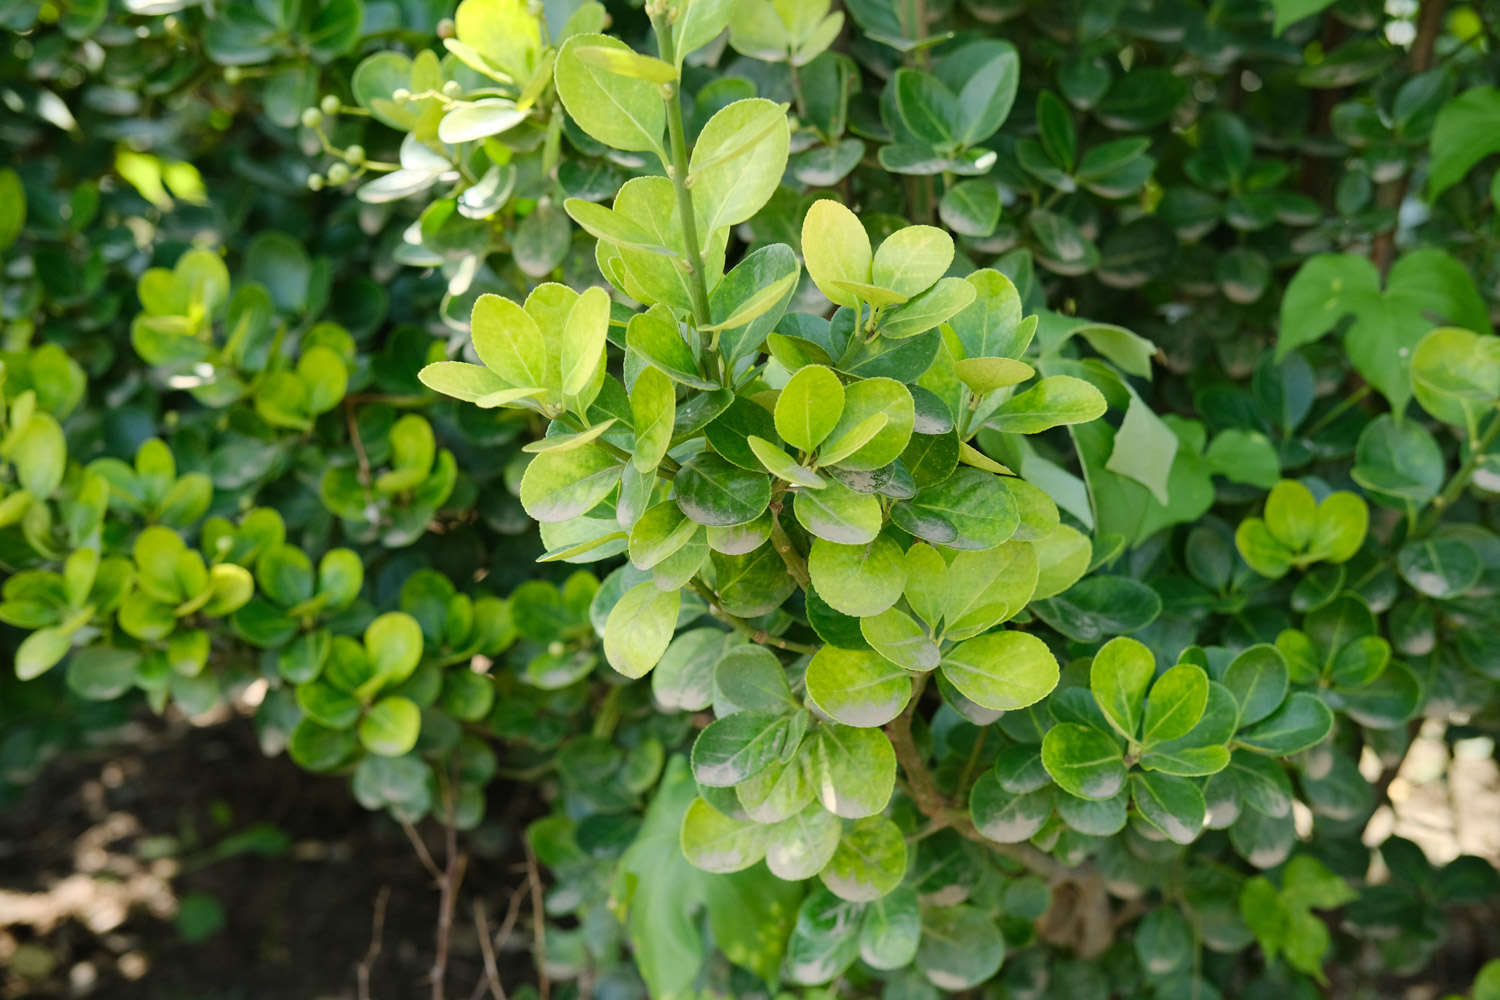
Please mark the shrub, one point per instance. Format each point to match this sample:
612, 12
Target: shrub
1035, 603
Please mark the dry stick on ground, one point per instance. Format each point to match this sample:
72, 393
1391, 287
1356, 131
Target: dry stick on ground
538, 921
377, 931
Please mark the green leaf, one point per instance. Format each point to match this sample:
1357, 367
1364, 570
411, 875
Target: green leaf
1339, 527
1175, 806
653, 411
1002, 670
971, 208
838, 514
1455, 376
1399, 460
623, 112
969, 510
864, 401
639, 627
1324, 290
1054, 401
717, 843
1301, 722
835, 248
741, 745
961, 947
928, 109
100, 673
390, 727
895, 636
1119, 676
737, 162
891, 930
987, 587
1055, 125
712, 492
1144, 449
808, 408
583, 346
1466, 131
623, 62
852, 769
857, 688
799, 846
1100, 606
1440, 566
394, 642
1175, 704
869, 862
1006, 817
912, 259
1083, 761
561, 485
859, 580
509, 342
12, 207
1258, 680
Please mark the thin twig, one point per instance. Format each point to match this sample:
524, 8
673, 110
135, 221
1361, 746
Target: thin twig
487, 949
422, 852
538, 921
453, 876
512, 913
377, 932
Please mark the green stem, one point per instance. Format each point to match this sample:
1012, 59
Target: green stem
1350, 401
1451, 492
758, 635
677, 170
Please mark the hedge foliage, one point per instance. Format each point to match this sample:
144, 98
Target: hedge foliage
936, 496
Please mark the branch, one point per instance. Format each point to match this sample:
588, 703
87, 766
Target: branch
538, 921
1393, 193
790, 557
935, 805
377, 932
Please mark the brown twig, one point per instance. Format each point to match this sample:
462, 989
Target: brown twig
453, 876
377, 932
935, 805
538, 921
1393, 193
422, 852
512, 913
487, 949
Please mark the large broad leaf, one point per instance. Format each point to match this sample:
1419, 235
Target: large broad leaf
661, 896
1466, 131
